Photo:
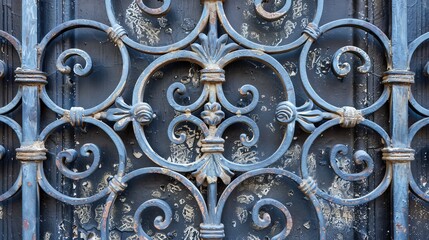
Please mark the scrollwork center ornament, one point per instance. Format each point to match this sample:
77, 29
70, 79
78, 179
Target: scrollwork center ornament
212, 114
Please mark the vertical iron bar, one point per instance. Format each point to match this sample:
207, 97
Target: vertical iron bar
30, 121
212, 200
399, 119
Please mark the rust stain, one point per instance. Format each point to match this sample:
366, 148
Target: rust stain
25, 224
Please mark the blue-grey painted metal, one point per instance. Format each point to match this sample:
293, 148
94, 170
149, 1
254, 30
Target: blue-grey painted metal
31, 152
399, 119
213, 53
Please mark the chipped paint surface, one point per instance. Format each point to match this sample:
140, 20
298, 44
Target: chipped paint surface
241, 214
245, 199
244, 155
83, 213
188, 213
183, 153
191, 233
150, 30
142, 27
127, 223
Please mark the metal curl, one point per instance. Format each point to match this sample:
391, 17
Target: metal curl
71, 155
160, 222
77, 69
342, 69
82, 23
272, 16
244, 91
190, 186
426, 70
202, 22
376, 192
286, 112
13, 189
416, 189
267, 201
243, 137
237, 37
3, 69
156, 12
265, 220
181, 119
342, 23
12, 40
13, 125
2, 152
359, 157
181, 89
121, 159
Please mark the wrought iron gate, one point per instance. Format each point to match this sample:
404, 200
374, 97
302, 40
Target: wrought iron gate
146, 136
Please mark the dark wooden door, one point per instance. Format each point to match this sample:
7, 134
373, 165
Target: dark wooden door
250, 119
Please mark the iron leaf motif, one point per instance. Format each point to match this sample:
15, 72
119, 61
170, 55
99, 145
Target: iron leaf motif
141, 112
211, 169
305, 115
211, 48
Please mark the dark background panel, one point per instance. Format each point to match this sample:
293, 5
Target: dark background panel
61, 221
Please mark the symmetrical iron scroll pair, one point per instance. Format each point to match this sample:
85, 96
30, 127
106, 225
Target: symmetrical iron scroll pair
212, 53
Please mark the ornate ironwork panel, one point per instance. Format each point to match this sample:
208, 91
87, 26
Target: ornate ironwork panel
214, 119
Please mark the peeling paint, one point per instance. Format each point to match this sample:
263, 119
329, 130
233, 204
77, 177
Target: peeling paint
252, 237
245, 199
127, 223
244, 155
133, 237
298, 8
260, 185
173, 188
142, 27
289, 28
188, 213
311, 163
83, 213
87, 189
114, 236
190, 233
291, 68
184, 153
241, 214
159, 236
340, 217
292, 156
